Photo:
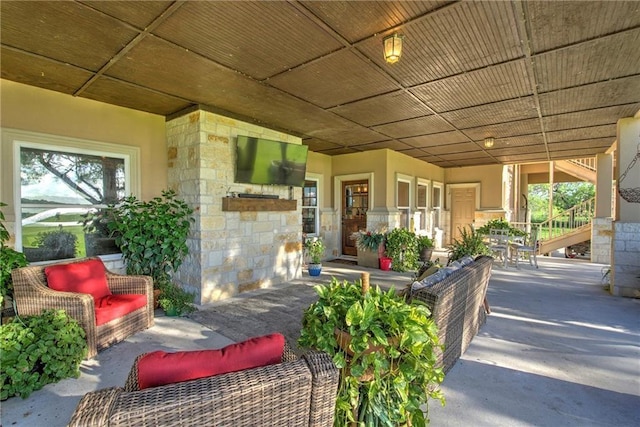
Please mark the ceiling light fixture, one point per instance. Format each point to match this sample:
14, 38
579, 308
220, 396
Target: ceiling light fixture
488, 142
392, 48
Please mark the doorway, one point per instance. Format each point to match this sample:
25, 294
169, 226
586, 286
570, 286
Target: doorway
355, 204
463, 209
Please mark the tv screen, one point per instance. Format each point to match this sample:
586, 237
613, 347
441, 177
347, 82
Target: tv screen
262, 161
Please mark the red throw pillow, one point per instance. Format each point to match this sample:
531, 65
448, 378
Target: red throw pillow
86, 277
159, 368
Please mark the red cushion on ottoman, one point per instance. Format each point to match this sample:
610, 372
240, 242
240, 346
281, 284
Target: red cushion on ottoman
85, 277
115, 306
160, 368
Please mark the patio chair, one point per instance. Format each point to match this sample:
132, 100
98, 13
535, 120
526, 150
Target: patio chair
299, 391
104, 325
499, 244
528, 248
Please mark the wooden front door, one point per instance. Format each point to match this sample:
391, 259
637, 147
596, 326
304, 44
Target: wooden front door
463, 209
355, 203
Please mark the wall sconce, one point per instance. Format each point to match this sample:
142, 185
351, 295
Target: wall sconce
488, 142
392, 48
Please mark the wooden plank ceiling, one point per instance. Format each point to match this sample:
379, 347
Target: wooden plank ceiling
547, 80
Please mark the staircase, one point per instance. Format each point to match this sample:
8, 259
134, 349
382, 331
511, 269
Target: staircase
568, 228
583, 169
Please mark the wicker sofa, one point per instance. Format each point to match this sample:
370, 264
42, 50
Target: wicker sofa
458, 306
300, 391
32, 295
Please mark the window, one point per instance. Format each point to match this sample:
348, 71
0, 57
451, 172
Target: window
404, 203
437, 205
59, 184
310, 216
422, 205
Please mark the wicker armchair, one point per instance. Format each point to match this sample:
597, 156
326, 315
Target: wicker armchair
32, 295
300, 391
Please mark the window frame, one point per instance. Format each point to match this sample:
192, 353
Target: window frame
317, 179
409, 208
26, 139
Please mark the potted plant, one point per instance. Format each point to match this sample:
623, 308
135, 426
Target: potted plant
384, 348
314, 247
9, 259
174, 300
425, 248
370, 246
470, 243
152, 235
402, 247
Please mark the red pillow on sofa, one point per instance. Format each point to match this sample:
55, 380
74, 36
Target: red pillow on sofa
86, 277
159, 368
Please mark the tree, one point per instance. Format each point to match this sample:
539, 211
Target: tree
565, 196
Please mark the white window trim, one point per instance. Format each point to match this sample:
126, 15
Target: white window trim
426, 209
309, 176
18, 138
400, 177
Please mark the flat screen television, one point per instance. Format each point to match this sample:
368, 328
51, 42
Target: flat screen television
262, 161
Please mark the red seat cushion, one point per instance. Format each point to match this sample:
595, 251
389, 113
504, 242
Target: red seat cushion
86, 277
115, 306
160, 368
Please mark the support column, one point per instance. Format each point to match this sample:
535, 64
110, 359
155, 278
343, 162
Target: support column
602, 227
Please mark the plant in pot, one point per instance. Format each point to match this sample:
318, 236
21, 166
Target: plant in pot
370, 246
402, 247
9, 259
425, 248
174, 300
469, 243
384, 348
152, 235
314, 247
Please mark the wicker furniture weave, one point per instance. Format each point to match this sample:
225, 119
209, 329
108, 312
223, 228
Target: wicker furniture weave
457, 305
32, 295
297, 392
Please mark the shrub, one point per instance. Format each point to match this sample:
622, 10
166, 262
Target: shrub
402, 247
9, 259
470, 243
38, 350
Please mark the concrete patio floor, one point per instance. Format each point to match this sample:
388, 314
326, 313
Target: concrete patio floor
557, 350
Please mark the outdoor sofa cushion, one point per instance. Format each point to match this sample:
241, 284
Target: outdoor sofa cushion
86, 277
113, 307
159, 368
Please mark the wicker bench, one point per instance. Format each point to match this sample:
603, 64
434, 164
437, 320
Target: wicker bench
300, 391
458, 307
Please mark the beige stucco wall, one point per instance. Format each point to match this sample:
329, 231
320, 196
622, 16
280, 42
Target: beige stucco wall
399, 163
37, 110
321, 164
374, 161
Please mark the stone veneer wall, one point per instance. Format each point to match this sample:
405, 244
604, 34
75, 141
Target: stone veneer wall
625, 275
601, 240
230, 252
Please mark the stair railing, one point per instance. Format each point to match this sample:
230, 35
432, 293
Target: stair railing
569, 220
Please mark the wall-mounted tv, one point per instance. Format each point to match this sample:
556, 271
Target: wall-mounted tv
262, 161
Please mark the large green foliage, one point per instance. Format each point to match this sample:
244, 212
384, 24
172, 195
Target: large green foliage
470, 242
152, 235
402, 246
565, 195
9, 259
38, 350
386, 387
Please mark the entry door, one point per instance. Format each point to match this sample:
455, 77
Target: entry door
463, 209
355, 203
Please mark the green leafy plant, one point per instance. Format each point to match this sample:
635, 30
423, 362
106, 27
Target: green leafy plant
369, 240
314, 247
152, 235
402, 247
175, 300
38, 350
425, 242
9, 259
470, 243
500, 224
58, 243
385, 384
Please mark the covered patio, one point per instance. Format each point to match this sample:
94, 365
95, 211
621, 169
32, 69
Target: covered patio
556, 350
